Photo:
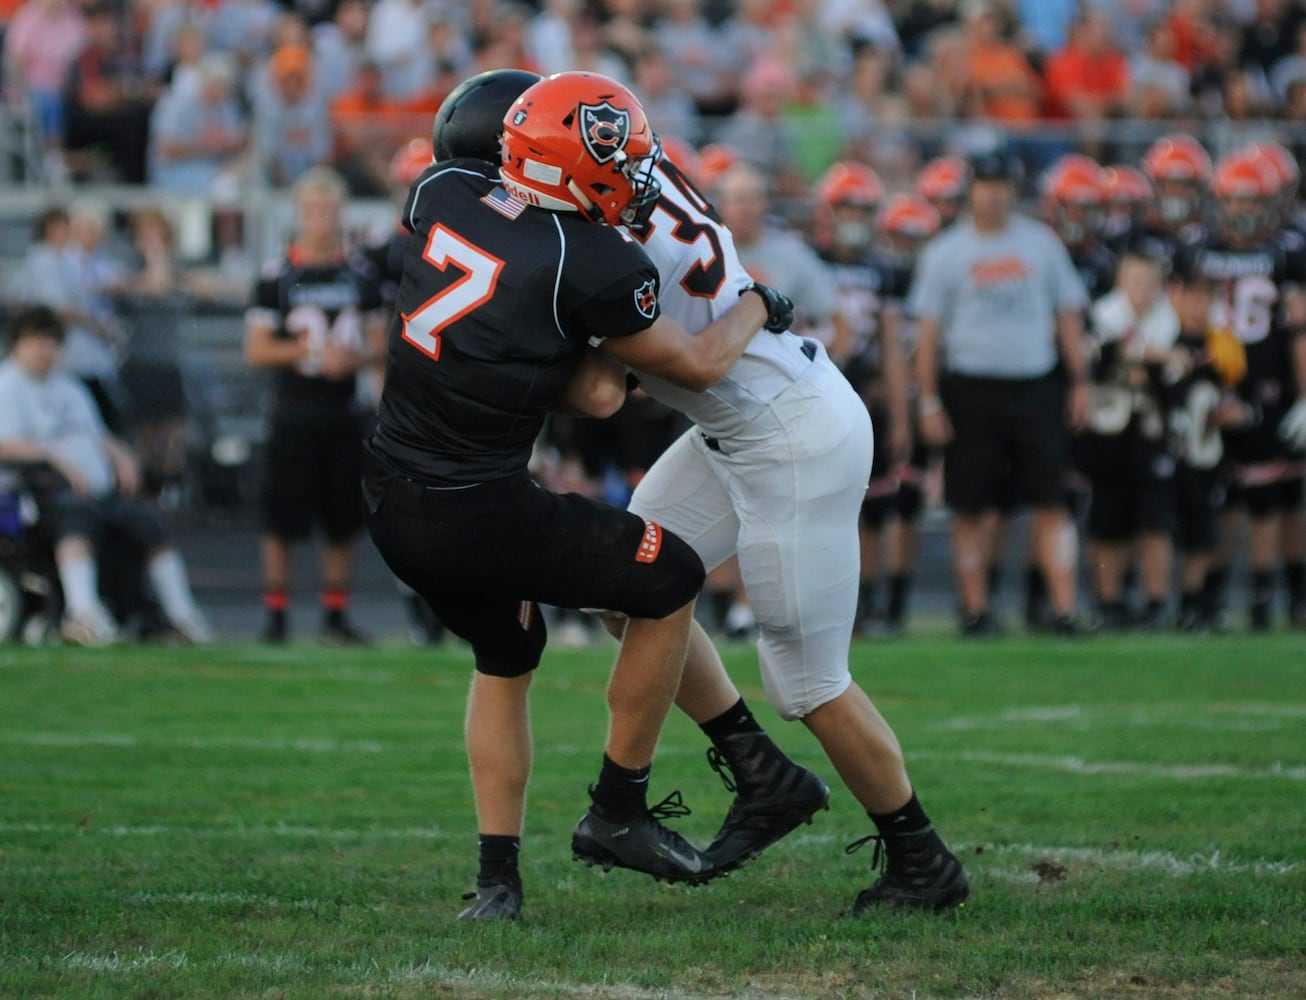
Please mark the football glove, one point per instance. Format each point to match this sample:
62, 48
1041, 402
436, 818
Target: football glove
779, 307
1292, 428
1227, 356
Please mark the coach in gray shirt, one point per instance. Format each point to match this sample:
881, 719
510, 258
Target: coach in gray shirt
998, 304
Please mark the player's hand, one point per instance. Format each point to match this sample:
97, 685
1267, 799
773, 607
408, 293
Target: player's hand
779, 307
338, 360
936, 428
1292, 428
1078, 404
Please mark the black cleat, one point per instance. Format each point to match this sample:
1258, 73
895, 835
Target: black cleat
757, 819
276, 631
338, 632
980, 625
642, 844
923, 876
499, 901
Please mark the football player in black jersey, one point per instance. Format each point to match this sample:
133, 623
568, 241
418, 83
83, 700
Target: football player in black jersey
316, 323
848, 197
512, 279
1259, 298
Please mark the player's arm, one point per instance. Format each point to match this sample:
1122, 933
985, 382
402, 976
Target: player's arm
1070, 344
935, 428
697, 362
264, 349
895, 380
598, 389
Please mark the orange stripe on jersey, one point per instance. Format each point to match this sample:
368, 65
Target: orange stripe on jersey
525, 614
651, 544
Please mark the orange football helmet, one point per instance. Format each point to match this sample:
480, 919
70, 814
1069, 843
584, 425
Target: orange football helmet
1245, 186
580, 142
1180, 170
1073, 199
907, 222
848, 195
849, 182
409, 160
944, 181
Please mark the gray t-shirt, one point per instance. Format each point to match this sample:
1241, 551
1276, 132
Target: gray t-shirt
996, 297
58, 414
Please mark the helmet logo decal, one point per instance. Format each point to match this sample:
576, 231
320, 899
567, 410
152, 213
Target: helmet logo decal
604, 130
646, 299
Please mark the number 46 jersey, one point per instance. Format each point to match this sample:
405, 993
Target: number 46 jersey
497, 304
701, 278
1250, 289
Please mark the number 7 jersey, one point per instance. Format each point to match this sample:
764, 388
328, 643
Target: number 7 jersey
497, 304
701, 277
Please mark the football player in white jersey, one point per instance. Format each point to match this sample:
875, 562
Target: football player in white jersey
774, 471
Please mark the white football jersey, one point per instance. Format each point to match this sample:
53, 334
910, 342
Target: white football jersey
701, 279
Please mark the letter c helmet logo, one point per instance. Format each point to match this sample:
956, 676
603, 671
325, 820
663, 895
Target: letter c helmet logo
605, 130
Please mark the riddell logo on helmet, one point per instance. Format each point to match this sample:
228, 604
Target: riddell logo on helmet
604, 129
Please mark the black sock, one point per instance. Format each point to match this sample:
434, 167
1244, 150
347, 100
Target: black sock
1262, 586
498, 859
995, 583
1214, 587
866, 599
734, 720
899, 590
755, 761
1294, 575
909, 819
620, 792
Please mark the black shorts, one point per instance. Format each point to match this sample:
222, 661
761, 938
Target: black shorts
311, 477
484, 556
1199, 499
1281, 493
97, 518
1009, 446
1132, 485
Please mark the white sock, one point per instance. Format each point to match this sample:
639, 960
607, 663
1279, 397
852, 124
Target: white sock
81, 585
168, 575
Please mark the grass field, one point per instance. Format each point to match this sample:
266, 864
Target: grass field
238, 822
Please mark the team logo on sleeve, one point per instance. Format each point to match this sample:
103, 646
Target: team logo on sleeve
604, 130
646, 298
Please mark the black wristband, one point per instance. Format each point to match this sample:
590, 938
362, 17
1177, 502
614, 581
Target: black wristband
779, 307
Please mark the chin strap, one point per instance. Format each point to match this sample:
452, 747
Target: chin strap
588, 209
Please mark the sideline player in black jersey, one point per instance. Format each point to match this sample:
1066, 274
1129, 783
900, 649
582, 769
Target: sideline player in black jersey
316, 321
1260, 298
848, 197
512, 278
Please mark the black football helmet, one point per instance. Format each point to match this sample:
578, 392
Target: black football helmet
470, 121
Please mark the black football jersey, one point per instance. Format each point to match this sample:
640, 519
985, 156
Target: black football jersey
1096, 266
320, 304
496, 306
1249, 303
387, 257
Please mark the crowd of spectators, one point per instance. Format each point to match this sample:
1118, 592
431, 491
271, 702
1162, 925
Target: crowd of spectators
192, 94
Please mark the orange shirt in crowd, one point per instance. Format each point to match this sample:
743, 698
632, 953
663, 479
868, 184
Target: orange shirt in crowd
1009, 87
1103, 77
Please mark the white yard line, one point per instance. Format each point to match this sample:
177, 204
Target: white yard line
315, 745
981, 858
1077, 765
1233, 717
226, 833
